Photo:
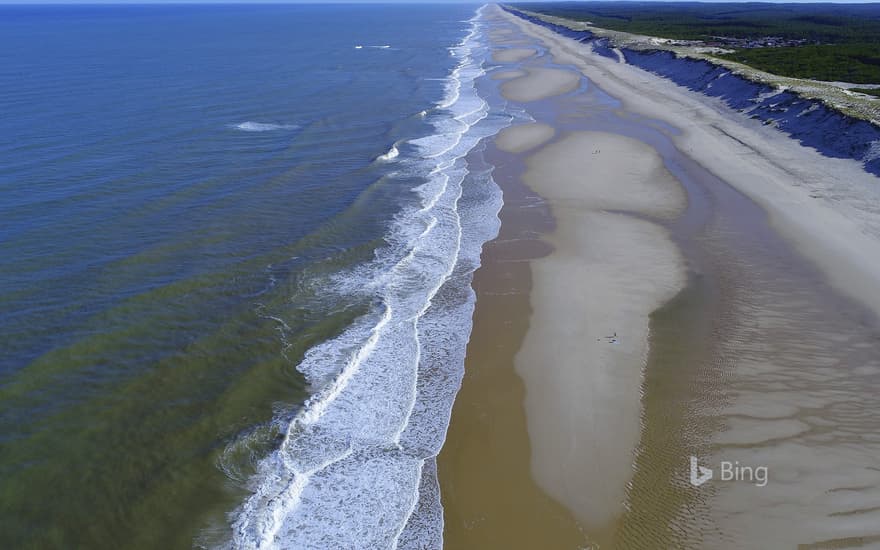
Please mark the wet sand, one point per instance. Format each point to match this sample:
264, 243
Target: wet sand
489, 497
665, 285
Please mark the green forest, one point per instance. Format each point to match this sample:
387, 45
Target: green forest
858, 63
869, 91
842, 41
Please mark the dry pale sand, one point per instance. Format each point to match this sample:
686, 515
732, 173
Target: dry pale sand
521, 138
513, 55
600, 171
540, 83
505, 75
587, 343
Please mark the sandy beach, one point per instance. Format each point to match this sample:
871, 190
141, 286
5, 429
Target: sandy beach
671, 280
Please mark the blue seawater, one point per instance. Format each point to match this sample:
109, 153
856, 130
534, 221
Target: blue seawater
236, 245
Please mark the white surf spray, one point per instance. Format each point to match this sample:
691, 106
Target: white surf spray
250, 126
392, 154
356, 468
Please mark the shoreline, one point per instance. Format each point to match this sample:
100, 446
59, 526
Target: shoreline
733, 303
489, 497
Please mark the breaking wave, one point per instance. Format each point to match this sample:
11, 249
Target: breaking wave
356, 467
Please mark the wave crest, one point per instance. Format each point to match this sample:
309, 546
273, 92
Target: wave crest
251, 126
392, 154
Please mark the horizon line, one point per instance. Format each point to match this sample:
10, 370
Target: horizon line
27, 3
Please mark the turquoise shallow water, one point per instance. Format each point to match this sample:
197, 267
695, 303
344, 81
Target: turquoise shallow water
191, 197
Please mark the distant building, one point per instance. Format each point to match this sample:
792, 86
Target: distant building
761, 42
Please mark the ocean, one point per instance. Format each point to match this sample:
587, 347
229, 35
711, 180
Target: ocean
236, 247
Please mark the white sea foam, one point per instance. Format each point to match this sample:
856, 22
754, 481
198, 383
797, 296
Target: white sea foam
356, 468
392, 154
250, 126
873, 152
